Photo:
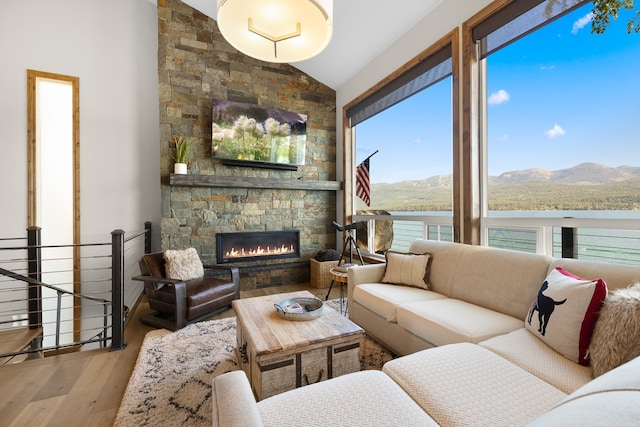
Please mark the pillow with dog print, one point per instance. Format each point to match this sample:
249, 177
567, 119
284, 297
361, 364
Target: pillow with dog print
407, 269
564, 313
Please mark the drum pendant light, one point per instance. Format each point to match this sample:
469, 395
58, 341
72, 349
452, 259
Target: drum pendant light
277, 30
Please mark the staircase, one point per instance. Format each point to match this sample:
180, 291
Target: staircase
18, 340
85, 307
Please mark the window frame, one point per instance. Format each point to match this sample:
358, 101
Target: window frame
349, 131
469, 115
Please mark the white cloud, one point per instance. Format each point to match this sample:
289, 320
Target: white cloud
504, 138
417, 141
547, 67
498, 97
581, 23
556, 130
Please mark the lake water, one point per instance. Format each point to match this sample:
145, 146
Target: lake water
606, 245
611, 214
568, 214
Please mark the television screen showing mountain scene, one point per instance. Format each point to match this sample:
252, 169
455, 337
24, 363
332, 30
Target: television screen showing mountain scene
249, 132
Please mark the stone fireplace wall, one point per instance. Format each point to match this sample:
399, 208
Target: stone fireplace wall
195, 66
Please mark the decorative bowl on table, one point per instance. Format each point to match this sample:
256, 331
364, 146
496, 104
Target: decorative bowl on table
299, 308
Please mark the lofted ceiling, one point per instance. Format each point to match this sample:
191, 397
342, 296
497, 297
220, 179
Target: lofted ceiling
362, 30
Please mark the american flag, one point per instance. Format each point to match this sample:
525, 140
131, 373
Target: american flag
362, 182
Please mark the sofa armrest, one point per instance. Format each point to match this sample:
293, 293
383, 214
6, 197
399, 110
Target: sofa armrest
233, 402
156, 280
372, 273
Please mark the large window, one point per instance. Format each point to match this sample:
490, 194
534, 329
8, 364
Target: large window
411, 172
531, 146
404, 133
561, 109
561, 164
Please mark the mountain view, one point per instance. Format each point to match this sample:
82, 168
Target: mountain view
583, 187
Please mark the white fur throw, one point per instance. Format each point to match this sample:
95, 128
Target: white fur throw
616, 337
183, 264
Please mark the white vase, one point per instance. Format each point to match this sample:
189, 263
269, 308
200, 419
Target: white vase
180, 168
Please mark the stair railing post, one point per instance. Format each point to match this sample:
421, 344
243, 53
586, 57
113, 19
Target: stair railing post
569, 241
147, 237
58, 312
117, 290
34, 267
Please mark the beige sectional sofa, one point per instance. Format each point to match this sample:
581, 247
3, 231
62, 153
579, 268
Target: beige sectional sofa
480, 366
475, 293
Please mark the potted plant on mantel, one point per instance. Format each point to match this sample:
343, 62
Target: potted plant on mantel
183, 153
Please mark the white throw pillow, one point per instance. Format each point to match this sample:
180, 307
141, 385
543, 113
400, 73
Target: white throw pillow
407, 269
183, 264
564, 313
616, 337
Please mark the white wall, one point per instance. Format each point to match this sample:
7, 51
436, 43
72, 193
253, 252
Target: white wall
442, 20
112, 47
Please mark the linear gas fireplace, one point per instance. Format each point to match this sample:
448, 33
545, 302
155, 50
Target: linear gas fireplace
255, 245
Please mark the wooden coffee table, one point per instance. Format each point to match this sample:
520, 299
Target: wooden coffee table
279, 355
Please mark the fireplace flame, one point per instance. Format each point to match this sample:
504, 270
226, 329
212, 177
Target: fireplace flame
260, 251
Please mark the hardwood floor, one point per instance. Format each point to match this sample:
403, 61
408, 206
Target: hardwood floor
86, 388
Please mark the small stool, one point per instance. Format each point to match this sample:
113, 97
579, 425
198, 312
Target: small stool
341, 278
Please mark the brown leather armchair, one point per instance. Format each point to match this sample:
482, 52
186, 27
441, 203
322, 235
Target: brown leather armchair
178, 303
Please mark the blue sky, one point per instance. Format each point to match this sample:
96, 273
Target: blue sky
558, 98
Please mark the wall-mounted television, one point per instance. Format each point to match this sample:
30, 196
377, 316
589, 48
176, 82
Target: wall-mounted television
250, 135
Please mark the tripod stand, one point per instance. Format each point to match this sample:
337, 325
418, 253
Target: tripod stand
350, 240
339, 275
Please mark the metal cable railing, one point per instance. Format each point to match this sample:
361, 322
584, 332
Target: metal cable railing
101, 337
50, 301
595, 239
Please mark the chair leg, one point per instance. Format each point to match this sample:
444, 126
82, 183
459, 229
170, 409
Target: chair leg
159, 321
181, 305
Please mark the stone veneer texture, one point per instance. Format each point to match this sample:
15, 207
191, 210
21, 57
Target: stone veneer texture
195, 66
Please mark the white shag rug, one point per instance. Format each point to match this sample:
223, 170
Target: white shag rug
171, 381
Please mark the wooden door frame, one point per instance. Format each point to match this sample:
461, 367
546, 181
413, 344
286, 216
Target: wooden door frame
32, 178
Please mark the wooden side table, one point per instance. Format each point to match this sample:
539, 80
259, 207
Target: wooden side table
341, 278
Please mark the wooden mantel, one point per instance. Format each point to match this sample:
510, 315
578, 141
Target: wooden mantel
251, 182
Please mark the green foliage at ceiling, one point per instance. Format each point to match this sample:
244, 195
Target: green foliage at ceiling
605, 10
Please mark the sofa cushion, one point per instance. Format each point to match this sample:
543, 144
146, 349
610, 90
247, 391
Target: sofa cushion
615, 275
617, 408
233, 402
409, 269
499, 279
565, 311
363, 398
467, 385
445, 261
523, 349
383, 299
183, 264
609, 400
448, 321
616, 337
